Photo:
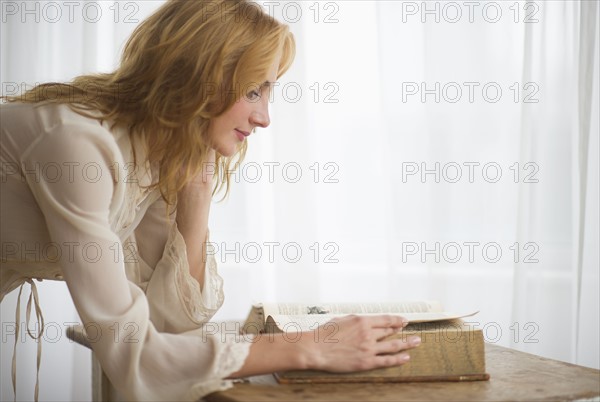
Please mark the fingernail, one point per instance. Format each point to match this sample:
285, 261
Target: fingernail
415, 341
405, 358
404, 323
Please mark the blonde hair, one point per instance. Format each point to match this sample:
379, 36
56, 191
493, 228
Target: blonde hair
187, 63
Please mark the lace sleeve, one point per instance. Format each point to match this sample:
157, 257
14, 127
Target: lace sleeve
177, 303
231, 351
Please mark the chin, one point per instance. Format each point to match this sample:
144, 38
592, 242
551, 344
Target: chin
226, 150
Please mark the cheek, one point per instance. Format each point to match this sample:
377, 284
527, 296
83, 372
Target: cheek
239, 111
216, 129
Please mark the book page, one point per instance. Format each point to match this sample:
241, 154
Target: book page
299, 323
255, 322
310, 322
351, 308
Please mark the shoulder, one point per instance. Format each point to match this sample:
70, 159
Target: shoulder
54, 137
47, 115
75, 162
60, 129
76, 155
64, 119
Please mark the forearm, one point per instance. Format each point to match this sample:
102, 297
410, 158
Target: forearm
193, 206
345, 344
276, 352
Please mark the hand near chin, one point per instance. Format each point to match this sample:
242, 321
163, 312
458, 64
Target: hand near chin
356, 343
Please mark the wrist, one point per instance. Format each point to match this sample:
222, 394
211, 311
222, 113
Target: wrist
308, 356
196, 190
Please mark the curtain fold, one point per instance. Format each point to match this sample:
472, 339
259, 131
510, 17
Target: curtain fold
587, 321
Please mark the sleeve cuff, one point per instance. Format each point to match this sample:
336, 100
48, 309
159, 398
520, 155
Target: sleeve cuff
177, 302
231, 351
201, 305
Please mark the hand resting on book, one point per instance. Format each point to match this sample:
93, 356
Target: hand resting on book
344, 344
355, 343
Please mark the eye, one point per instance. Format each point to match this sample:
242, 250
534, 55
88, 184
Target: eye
252, 95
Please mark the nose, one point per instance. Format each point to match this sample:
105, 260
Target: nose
260, 115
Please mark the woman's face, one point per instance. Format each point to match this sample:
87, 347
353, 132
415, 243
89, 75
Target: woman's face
230, 130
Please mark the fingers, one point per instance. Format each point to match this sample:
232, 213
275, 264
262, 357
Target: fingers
391, 360
384, 361
376, 321
388, 321
374, 327
363, 345
381, 333
397, 345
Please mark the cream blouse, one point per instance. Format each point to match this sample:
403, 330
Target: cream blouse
73, 207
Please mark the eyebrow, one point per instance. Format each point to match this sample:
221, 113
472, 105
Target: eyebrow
266, 84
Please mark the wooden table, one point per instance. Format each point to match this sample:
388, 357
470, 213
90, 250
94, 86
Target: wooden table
515, 376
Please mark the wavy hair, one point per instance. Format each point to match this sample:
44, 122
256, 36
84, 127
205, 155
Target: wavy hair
184, 65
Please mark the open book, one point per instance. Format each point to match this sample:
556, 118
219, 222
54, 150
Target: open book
451, 349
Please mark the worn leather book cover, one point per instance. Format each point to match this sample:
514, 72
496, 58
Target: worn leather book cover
449, 351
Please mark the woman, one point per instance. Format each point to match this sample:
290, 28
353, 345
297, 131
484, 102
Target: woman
110, 179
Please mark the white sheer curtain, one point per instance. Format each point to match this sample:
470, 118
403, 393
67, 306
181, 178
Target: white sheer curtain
404, 154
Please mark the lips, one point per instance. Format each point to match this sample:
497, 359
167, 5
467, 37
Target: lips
241, 134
